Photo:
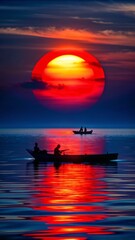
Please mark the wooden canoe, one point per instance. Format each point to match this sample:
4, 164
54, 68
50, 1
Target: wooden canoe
88, 158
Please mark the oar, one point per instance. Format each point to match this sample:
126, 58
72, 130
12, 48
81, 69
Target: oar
60, 150
64, 150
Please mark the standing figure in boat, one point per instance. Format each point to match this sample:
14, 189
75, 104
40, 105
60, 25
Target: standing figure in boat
85, 130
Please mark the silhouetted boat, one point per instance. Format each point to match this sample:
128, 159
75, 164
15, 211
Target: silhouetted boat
82, 132
67, 158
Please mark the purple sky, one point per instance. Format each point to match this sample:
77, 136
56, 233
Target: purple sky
30, 29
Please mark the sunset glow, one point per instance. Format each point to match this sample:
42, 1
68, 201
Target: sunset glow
69, 78
68, 67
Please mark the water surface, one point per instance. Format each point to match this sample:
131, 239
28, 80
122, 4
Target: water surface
74, 201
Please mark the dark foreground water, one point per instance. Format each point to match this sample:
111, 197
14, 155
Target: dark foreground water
74, 201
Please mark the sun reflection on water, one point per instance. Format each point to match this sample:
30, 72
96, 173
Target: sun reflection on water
70, 201
75, 144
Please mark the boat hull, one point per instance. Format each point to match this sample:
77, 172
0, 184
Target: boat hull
83, 133
92, 158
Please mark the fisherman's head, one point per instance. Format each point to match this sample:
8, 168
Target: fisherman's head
58, 146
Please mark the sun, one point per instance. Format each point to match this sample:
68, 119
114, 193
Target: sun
69, 78
68, 67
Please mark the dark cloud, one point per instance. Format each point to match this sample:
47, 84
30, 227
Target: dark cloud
35, 85
99, 79
40, 85
95, 64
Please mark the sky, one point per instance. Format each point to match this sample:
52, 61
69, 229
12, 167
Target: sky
31, 29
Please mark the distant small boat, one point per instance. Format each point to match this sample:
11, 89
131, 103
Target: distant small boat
82, 132
88, 158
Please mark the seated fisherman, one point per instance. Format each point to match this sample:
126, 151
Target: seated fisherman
36, 148
57, 151
81, 130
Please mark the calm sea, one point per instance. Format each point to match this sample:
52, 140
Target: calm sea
74, 201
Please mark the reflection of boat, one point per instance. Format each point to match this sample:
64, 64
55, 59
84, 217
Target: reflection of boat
90, 158
82, 132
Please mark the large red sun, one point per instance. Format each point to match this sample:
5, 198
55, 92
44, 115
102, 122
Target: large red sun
68, 78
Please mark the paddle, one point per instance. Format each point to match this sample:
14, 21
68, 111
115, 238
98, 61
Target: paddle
64, 150
51, 151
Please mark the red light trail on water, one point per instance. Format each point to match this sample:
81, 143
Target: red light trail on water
62, 197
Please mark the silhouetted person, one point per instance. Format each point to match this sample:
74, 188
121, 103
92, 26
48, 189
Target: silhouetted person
81, 130
85, 130
57, 151
36, 148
